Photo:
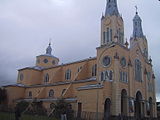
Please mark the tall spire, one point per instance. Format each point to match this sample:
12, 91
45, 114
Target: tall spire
137, 26
49, 49
111, 8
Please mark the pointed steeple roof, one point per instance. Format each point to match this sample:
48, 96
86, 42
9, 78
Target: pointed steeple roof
111, 8
137, 26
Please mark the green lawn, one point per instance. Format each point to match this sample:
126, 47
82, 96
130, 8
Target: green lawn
10, 116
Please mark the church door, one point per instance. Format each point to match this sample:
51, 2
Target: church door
138, 106
107, 109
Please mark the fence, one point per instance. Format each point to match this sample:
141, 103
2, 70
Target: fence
7, 113
90, 115
85, 116
11, 116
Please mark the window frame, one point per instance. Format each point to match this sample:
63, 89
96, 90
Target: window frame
138, 70
94, 70
51, 93
68, 74
46, 78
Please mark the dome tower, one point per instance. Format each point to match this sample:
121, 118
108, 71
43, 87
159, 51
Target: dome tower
47, 60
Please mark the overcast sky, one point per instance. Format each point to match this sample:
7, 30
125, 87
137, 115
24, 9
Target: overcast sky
73, 25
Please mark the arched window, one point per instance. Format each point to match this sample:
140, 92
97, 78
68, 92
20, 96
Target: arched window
79, 69
106, 75
123, 76
30, 94
107, 35
110, 35
46, 78
21, 77
138, 70
150, 110
102, 76
119, 35
145, 52
63, 91
68, 74
110, 75
94, 70
51, 93
104, 37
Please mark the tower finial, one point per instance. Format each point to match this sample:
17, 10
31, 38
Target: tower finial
136, 9
50, 39
102, 16
126, 43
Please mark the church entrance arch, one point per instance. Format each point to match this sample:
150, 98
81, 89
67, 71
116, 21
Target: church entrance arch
107, 109
138, 106
151, 107
124, 102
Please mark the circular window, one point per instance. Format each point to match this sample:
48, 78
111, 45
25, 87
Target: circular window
53, 62
45, 61
106, 61
21, 77
51, 93
123, 62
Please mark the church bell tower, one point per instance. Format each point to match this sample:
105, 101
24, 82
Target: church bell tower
47, 60
138, 37
112, 27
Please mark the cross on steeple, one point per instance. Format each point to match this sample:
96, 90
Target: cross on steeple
136, 9
50, 39
49, 49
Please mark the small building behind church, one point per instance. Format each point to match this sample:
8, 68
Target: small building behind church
118, 81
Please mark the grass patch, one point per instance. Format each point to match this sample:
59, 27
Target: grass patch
11, 116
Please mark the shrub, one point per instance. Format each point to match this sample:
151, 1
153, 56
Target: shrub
22, 105
36, 108
62, 107
3, 95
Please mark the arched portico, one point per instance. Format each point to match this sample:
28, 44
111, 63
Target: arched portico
139, 106
124, 101
150, 107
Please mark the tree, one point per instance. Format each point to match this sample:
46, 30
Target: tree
3, 95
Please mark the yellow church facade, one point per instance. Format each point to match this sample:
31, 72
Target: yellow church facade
118, 81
